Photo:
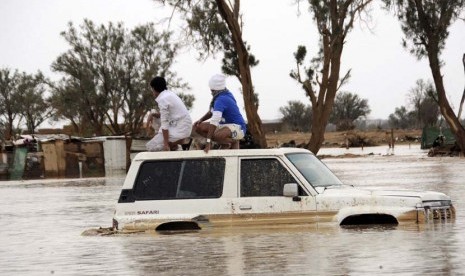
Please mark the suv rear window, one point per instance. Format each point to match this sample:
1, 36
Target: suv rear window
180, 179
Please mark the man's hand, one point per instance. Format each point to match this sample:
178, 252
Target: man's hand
149, 121
197, 123
207, 147
166, 140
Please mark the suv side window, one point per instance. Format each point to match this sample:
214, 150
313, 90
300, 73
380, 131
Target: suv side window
264, 177
180, 179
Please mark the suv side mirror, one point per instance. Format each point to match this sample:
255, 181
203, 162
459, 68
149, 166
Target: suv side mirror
291, 190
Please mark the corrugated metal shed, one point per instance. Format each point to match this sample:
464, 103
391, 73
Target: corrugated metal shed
72, 158
114, 148
430, 134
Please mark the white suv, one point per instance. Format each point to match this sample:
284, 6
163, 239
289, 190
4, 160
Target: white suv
235, 188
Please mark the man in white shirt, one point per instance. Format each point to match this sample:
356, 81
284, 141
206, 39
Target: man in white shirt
176, 123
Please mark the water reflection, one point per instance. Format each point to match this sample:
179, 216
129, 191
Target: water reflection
42, 224
333, 251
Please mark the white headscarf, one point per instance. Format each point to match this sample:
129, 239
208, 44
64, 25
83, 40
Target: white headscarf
217, 82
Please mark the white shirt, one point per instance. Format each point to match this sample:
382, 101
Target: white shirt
171, 108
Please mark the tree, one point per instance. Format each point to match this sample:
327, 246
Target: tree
34, 107
21, 99
66, 102
296, 115
428, 112
9, 101
347, 108
106, 74
216, 26
423, 98
188, 99
425, 25
402, 118
463, 94
2, 131
334, 20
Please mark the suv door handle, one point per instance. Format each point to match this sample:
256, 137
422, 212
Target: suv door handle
245, 207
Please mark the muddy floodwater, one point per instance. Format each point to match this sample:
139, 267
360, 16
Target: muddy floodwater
42, 221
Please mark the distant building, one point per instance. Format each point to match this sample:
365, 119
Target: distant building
271, 126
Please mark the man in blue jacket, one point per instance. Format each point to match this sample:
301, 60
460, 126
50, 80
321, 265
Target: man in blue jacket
226, 126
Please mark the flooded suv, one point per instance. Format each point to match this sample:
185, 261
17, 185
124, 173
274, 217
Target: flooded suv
264, 187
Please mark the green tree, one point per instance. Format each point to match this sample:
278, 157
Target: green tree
334, 20
428, 112
425, 24
402, 118
348, 108
106, 74
10, 105
423, 98
296, 115
34, 108
463, 94
22, 100
188, 99
216, 26
66, 102
2, 131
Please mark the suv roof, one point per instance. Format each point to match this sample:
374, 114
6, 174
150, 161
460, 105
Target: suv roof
216, 153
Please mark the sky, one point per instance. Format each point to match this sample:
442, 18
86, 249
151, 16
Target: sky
383, 72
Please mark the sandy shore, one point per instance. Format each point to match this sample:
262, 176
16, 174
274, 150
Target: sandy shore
337, 138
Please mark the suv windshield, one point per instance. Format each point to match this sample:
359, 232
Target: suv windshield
313, 170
